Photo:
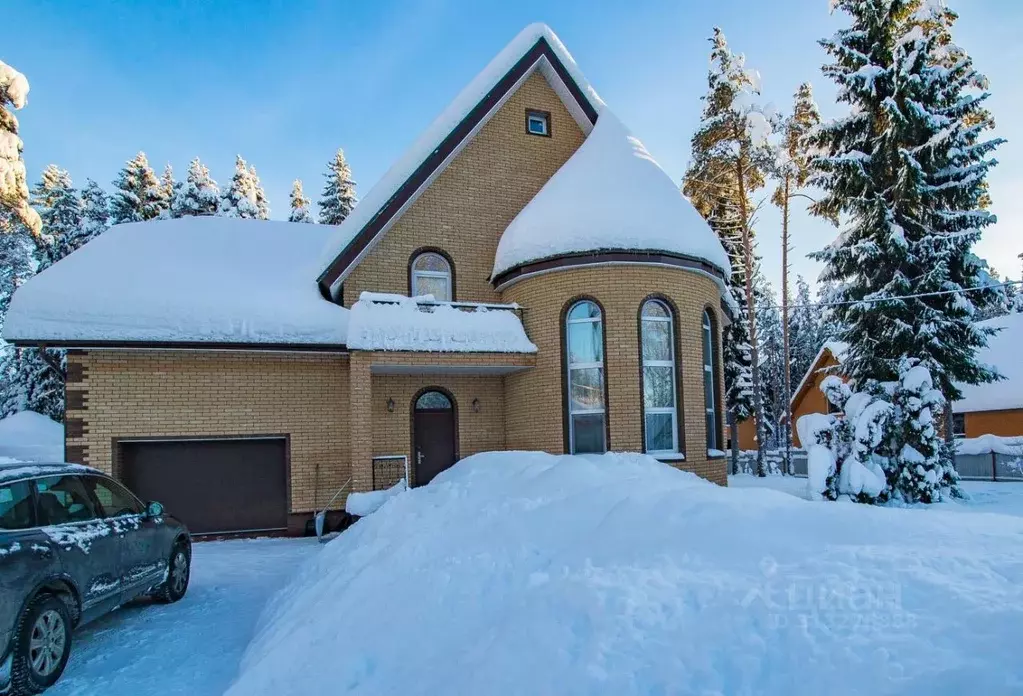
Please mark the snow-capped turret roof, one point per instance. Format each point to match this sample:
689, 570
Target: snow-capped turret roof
611, 195
535, 48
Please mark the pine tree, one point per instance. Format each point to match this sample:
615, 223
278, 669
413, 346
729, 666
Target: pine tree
95, 212
730, 160
138, 195
197, 195
338, 196
243, 198
167, 190
772, 361
59, 207
907, 169
805, 335
793, 169
14, 207
299, 204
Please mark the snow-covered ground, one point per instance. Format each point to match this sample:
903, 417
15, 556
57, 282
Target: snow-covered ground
31, 437
191, 648
524, 573
1003, 497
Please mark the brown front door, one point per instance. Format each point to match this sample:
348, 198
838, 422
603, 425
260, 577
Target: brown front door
433, 436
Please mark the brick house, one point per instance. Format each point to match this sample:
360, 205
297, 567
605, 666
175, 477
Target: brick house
566, 298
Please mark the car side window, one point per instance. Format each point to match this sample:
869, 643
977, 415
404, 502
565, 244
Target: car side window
64, 499
16, 508
114, 499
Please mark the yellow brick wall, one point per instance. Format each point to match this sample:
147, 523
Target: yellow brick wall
167, 393
534, 398
469, 205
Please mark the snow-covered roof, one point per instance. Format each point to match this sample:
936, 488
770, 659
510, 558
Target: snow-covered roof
394, 322
1002, 353
837, 349
193, 279
610, 195
445, 124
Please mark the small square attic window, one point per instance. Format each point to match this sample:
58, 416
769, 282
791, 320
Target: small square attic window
538, 123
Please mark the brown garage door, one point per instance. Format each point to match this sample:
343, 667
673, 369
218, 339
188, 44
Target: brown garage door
212, 485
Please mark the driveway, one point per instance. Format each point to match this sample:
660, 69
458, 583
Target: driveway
192, 647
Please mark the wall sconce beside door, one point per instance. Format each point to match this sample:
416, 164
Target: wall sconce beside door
390, 405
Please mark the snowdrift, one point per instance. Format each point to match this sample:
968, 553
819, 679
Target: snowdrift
28, 436
526, 573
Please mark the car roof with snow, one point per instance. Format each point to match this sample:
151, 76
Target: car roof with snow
15, 471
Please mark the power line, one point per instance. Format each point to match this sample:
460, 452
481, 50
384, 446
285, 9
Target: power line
901, 297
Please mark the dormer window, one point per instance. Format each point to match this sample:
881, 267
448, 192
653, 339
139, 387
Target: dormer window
431, 275
538, 123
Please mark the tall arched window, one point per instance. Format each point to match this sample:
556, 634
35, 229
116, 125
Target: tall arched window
710, 382
660, 408
431, 275
584, 361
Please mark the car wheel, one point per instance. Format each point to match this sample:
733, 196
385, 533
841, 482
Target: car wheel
179, 569
43, 644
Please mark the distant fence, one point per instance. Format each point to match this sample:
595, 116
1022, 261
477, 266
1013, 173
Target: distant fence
990, 467
971, 467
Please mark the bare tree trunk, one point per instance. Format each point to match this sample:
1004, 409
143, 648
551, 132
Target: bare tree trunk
747, 254
786, 354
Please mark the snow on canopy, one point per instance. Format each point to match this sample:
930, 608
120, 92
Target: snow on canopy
191, 279
610, 195
456, 111
394, 322
1002, 353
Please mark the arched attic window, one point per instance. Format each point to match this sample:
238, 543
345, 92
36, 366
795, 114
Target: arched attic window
431, 274
584, 363
660, 393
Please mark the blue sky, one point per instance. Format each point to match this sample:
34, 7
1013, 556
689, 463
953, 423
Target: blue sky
287, 83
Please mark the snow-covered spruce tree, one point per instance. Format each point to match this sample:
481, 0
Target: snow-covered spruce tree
137, 193
14, 207
792, 170
197, 195
243, 198
168, 189
906, 168
730, 158
772, 362
805, 336
299, 204
921, 473
95, 212
57, 202
338, 197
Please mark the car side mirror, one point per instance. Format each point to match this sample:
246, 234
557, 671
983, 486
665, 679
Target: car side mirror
154, 509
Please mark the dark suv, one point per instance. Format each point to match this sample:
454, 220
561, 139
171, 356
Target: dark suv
74, 544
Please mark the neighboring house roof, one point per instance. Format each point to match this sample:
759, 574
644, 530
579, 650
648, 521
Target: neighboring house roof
1002, 353
611, 195
834, 349
394, 322
179, 282
535, 48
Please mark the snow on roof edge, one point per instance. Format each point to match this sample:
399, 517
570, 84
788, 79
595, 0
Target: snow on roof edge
836, 348
428, 141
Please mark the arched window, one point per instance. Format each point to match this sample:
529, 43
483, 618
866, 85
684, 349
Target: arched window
584, 361
710, 382
660, 408
431, 275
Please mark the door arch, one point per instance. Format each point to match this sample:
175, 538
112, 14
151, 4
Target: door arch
434, 433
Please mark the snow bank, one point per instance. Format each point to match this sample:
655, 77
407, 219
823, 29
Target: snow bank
455, 112
1002, 353
363, 504
526, 573
610, 195
191, 279
987, 444
395, 322
28, 436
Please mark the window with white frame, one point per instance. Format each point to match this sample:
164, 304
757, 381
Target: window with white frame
538, 123
710, 382
660, 409
431, 275
584, 362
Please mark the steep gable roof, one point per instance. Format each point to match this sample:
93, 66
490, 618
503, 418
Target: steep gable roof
833, 349
535, 48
